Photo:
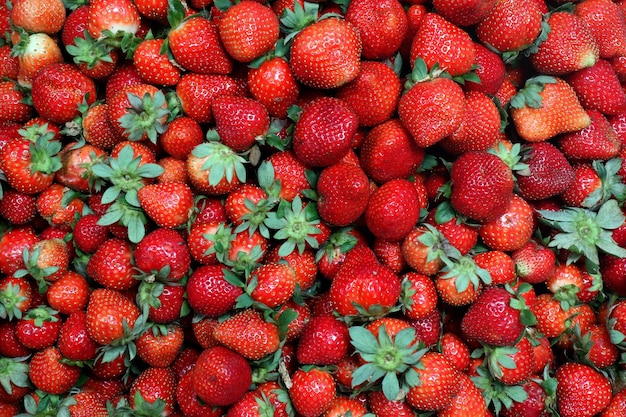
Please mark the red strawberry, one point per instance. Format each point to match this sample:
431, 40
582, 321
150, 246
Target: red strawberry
112, 18
440, 42
373, 94
617, 404
112, 265
159, 348
209, 293
193, 41
272, 83
343, 192
272, 284
88, 234
169, 204
15, 297
512, 230
38, 15
482, 186
326, 54
598, 88
323, 133
106, 313
240, 121
153, 65
13, 243
248, 334
74, 341
596, 141
214, 169
381, 26
33, 168
534, 262
324, 341
570, 46
545, 107
312, 391
512, 25
97, 129
393, 209
468, 400
489, 69
548, 173
88, 404
362, 281
13, 107
163, 248
221, 376
439, 383
466, 12
388, 152
432, 108
38, 328
493, 306
607, 25
49, 374
153, 388
573, 399
242, 19
289, 171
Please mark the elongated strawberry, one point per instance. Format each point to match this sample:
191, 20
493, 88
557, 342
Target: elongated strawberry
588, 82
610, 33
545, 107
273, 84
597, 141
572, 401
433, 107
248, 334
440, 42
343, 193
548, 172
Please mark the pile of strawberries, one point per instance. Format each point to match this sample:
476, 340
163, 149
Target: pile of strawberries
389, 208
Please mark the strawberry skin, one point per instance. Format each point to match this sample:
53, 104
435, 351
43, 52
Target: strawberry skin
169, 204
581, 391
343, 191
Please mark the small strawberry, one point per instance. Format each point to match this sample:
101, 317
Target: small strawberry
209, 293
343, 192
153, 65
273, 84
169, 204
512, 230
242, 19
38, 328
393, 209
464, 13
111, 265
248, 334
109, 18
159, 346
33, 168
221, 376
34, 51
312, 391
240, 121
74, 341
547, 172
38, 16
272, 284
534, 262
152, 392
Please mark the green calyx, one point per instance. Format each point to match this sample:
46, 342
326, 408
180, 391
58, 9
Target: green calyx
44, 156
586, 233
10, 299
389, 361
47, 405
295, 224
339, 242
465, 272
496, 393
530, 95
13, 372
221, 162
293, 21
145, 116
612, 185
421, 73
32, 268
42, 314
89, 51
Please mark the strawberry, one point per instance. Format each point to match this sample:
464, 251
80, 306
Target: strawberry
111, 265
97, 129
312, 391
34, 51
209, 293
108, 313
49, 374
548, 172
440, 42
464, 13
153, 392
215, 169
423, 249
388, 152
433, 107
325, 54
574, 401
533, 406
87, 404
74, 341
17, 208
393, 209
511, 25
545, 107
596, 141
11, 347
169, 204
289, 172
13, 243
88, 235
324, 341
482, 186
240, 121
419, 295
480, 127
461, 235
13, 108
512, 230
617, 404
154, 66
609, 35
381, 26
272, 83
534, 262
242, 19
221, 376
153, 9
194, 39
570, 46
160, 249
373, 94
469, 401
587, 83
33, 168
323, 133
108, 18
248, 334
344, 405
490, 70
362, 285
158, 347
460, 281
15, 297
181, 136
54, 205
613, 269
272, 284
551, 317
493, 305
38, 16
439, 383
188, 401
38, 328
138, 112
343, 192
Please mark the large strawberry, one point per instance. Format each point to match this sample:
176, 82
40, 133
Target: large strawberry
393, 209
248, 334
607, 25
49, 374
343, 192
169, 204
547, 172
573, 400
38, 16
32, 169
